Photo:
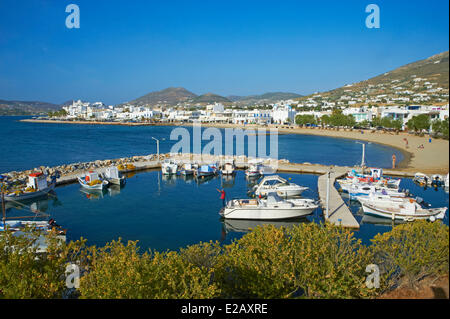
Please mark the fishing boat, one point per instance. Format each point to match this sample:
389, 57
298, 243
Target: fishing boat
187, 169
254, 169
446, 181
228, 167
274, 207
422, 179
36, 186
279, 185
207, 170
406, 209
113, 177
92, 181
358, 190
169, 167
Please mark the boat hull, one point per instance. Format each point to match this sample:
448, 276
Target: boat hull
437, 213
92, 187
30, 195
265, 213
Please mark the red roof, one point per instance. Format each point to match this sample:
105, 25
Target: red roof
36, 174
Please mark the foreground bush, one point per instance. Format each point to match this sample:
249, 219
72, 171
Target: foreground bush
25, 273
307, 260
412, 251
119, 271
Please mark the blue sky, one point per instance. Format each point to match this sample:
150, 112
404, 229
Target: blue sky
125, 49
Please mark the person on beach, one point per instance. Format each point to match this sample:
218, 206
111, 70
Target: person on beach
222, 196
394, 158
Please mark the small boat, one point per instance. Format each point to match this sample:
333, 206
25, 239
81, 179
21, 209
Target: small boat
274, 207
446, 181
169, 167
187, 169
408, 210
364, 190
40, 243
437, 180
422, 179
36, 186
207, 170
254, 169
228, 168
279, 185
92, 181
113, 177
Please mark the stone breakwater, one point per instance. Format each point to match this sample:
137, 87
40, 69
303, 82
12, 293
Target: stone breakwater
68, 172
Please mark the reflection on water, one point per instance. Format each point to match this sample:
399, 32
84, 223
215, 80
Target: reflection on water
369, 219
32, 208
95, 194
246, 225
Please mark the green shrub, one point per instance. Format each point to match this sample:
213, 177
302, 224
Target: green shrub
307, 260
412, 251
25, 273
119, 271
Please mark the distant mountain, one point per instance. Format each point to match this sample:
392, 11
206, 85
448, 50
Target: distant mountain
210, 98
26, 107
269, 97
169, 96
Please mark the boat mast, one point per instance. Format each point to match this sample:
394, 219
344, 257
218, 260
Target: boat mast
363, 155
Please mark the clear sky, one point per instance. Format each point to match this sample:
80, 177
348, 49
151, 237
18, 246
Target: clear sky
125, 49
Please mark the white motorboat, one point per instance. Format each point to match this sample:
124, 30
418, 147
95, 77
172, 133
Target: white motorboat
446, 181
356, 190
274, 207
187, 169
36, 186
228, 167
254, 169
169, 167
407, 209
113, 177
279, 185
92, 181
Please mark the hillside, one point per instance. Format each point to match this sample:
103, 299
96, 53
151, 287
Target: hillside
269, 97
210, 98
26, 107
421, 81
169, 96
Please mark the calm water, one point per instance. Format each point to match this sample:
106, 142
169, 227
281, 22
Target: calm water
29, 145
167, 213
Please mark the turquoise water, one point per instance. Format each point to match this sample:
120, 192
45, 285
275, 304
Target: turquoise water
167, 213
29, 145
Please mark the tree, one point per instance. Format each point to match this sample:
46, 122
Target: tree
419, 122
305, 119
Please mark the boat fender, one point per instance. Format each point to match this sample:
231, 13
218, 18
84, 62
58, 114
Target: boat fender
432, 218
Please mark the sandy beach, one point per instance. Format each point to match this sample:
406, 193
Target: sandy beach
433, 158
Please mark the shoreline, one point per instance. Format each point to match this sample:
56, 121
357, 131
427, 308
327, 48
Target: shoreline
433, 159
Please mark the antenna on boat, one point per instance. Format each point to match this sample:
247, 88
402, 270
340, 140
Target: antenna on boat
363, 163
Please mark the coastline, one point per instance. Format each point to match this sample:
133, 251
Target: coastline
432, 159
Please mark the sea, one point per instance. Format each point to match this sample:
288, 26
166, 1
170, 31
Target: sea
171, 212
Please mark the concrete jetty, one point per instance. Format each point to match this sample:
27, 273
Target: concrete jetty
338, 212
